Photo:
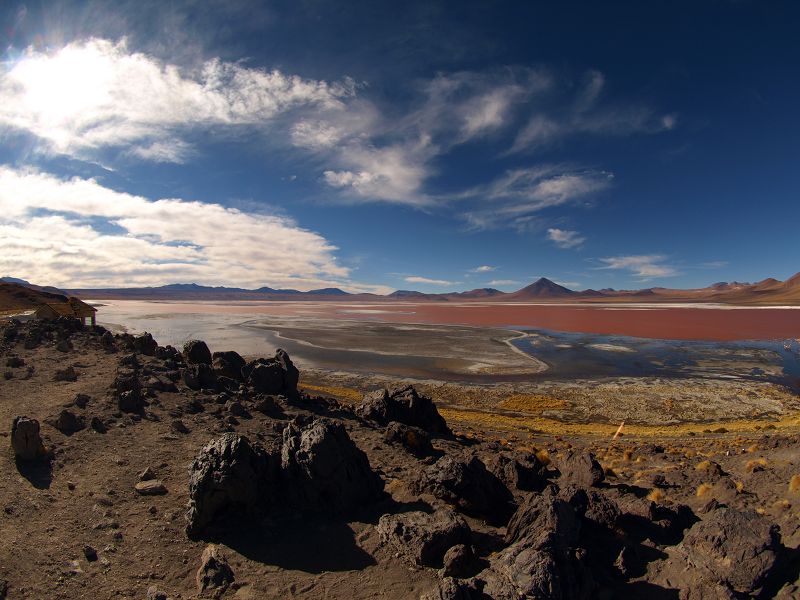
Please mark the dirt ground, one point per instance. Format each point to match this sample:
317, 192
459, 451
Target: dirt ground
86, 495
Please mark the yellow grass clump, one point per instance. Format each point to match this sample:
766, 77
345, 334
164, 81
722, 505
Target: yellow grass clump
794, 484
657, 496
703, 489
342, 393
739, 486
627, 454
543, 456
533, 403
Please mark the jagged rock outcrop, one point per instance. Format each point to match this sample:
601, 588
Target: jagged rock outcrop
230, 475
404, 406
26, 440
423, 538
466, 484
323, 470
196, 352
318, 468
274, 376
199, 376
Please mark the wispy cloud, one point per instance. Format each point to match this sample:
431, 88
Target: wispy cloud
647, 266
78, 233
483, 269
585, 114
515, 197
565, 238
429, 281
504, 282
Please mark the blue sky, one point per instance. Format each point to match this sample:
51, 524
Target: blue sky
421, 145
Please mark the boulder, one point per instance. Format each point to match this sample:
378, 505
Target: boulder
580, 468
230, 476
417, 441
199, 376
459, 561
520, 471
404, 406
214, 573
195, 352
423, 539
145, 344
67, 422
273, 376
64, 346
728, 551
467, 485
26, 440
322, 470
228, 364
130, 402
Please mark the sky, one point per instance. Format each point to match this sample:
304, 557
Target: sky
375, 146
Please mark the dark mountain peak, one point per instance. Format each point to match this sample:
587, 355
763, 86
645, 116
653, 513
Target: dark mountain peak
406, 294
329, 292
544, 288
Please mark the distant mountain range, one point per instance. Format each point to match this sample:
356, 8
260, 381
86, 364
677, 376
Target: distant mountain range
766, 292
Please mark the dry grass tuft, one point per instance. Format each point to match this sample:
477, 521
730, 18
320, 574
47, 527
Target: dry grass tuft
703, 489
757, 464
348, 395
543, 456
739, 486
782, 504
533, 403
627, 455
794, 484
657, 496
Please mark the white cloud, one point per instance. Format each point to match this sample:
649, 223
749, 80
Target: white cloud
647, 266
565, 238
504, 282
97, 94
515, 197
483, 269
428, 281
77, 233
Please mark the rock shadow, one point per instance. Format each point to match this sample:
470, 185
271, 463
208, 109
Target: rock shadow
301, 544
38, 472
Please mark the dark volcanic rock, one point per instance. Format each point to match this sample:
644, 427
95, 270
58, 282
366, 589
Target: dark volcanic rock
68, 422
580, 468
130, 401
469, 486
422, 538
229, 475
459, 561
107, 342
214, 573
542, 560
415, 440
518, 472
145, 344
68, 374
196, 352
273, 376
322, 470
404, 406
728, 551
26, 441
228, 364
199, 376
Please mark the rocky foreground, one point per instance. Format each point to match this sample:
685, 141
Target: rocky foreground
142, 471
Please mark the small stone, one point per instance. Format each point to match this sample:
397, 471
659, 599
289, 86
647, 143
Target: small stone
178, 426
68, 374
81, 400
153, 593
90, 553
97, 425
214, 573
151, 487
